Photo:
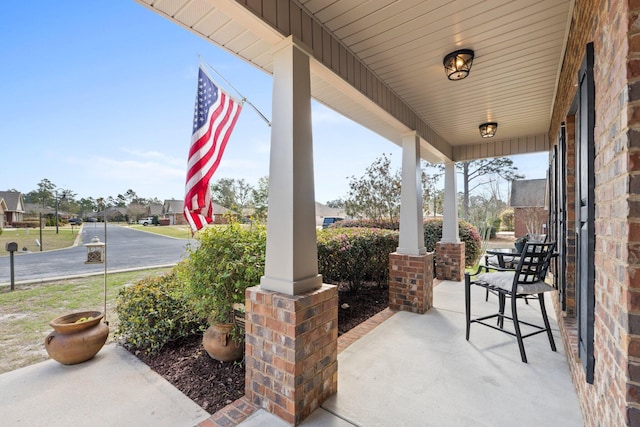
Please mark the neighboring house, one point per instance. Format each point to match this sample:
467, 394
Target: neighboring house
3, 209
172, 209
221, 214
155, 209
528, 202
323, 211
15, 206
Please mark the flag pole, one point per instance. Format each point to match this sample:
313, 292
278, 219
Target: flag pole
242, 97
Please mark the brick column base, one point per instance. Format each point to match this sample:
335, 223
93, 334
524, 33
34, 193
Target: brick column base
291, 350
411, 282
450, 261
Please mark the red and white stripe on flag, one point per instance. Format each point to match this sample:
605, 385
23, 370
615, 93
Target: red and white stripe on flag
215, 116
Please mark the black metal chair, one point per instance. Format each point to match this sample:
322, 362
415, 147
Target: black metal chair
527, 281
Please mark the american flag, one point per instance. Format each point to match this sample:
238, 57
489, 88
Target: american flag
215, 116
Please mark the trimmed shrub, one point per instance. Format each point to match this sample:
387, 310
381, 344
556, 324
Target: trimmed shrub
153, 312
26, 224
507, 219
467, 233
432, 234
355, 255
225, 261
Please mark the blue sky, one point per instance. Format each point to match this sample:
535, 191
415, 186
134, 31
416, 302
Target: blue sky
98, 98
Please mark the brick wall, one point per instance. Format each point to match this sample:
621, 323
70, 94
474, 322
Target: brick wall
450, 261
291, 350
523, 216
614, 27
411, 282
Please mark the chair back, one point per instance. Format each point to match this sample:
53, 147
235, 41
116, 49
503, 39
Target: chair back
534, 263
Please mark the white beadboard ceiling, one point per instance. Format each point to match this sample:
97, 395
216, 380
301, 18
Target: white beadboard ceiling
518, 44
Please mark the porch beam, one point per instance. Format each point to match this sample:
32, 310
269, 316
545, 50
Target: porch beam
502, 147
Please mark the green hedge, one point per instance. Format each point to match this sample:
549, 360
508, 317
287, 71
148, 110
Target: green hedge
467, 233
355, 255
153, 312
432, 234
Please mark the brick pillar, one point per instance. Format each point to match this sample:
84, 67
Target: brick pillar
411, 282
291, 350
450, 261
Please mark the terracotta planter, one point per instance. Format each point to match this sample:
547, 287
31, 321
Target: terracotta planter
219, 344
71, 342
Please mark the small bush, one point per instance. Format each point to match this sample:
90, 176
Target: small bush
355, 255
26, 224
507, 219
467, 233
221, 266
153, 312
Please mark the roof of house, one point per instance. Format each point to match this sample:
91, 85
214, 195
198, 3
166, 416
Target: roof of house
173, 206
155, 209
13, 199
324, 210
528, 193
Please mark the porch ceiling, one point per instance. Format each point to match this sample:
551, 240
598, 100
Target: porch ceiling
518, 44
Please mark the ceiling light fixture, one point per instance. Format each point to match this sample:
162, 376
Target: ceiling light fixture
488, 130
457, 64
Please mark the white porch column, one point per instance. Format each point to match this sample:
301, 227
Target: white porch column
450, 214
291, 265
411, 229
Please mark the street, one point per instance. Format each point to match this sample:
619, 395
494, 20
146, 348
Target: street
126, 248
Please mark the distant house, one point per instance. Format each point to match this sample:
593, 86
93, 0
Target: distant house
14, 211
528, 202
155, 209
172, 209
3, 209
323, 211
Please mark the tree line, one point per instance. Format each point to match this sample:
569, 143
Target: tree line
376, 194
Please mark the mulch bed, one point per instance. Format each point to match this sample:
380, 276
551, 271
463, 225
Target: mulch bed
213, 385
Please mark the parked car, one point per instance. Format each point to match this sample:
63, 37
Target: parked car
146, 221
75, 221
327, 221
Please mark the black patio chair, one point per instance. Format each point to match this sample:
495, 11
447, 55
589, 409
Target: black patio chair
525, 282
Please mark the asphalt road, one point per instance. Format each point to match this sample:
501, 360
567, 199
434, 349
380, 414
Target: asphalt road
126, 249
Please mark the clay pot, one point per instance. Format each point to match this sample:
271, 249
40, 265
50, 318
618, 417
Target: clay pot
72, 342
219, 344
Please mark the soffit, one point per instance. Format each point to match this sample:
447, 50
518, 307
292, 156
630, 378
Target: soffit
518, 44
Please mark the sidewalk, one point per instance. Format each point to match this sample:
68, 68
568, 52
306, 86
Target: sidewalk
112, 389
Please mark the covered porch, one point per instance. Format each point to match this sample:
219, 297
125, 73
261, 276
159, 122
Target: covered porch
555, 76
418, 370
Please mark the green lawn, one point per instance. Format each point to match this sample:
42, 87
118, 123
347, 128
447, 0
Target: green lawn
26, 312
28, 238
177, 231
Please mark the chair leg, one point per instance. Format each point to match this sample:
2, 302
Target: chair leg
486, 295
546, 321
501, 304
467, 302
516, 325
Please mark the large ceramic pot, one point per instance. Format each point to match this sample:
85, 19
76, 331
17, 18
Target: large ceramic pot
72, 342
219, 343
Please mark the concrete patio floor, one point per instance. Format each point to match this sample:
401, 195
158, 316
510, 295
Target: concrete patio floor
418, 370
411, 370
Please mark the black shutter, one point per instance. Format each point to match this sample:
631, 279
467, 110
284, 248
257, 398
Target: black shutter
585, 210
